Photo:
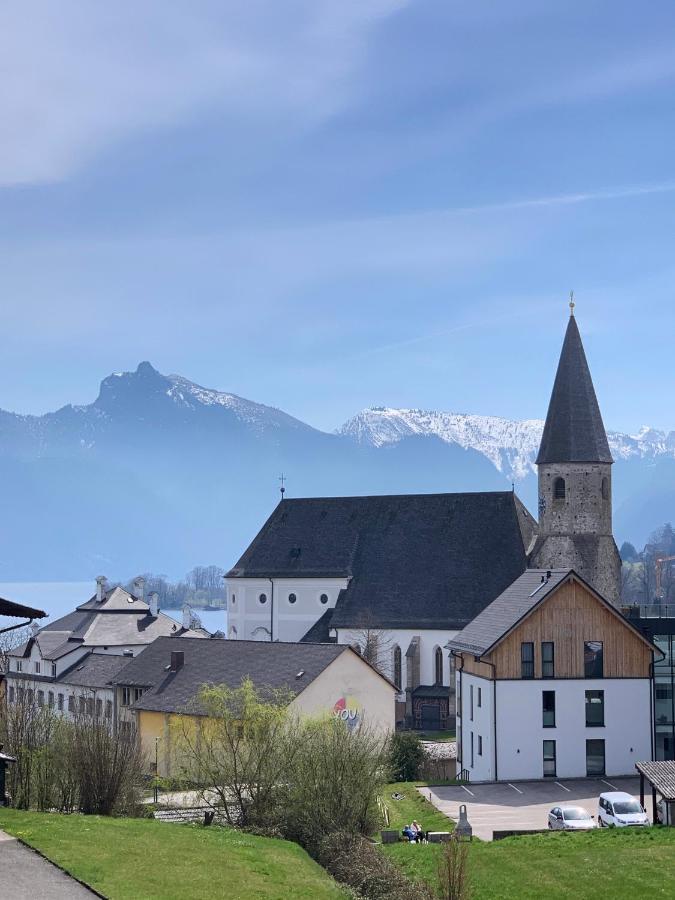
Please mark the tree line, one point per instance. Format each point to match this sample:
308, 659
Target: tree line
648, 576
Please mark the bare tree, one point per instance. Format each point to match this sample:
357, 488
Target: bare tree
375, 645
9, 641
452, 867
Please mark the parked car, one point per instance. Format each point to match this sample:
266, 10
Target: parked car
616, 808
570, 818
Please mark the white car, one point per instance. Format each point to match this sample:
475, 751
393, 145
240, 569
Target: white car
570, 818
618, 809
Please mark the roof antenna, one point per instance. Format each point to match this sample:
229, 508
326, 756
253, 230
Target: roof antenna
282, 489
572, 303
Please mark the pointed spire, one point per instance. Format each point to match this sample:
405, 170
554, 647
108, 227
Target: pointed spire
574, 431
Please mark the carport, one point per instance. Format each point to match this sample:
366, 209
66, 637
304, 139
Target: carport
661, 777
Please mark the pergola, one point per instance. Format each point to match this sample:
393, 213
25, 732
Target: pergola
661, 777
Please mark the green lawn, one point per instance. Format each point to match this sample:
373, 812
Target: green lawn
621, 863
414, 806
140, 859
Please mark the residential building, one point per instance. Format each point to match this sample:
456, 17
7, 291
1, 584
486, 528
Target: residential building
160, 688
552, 682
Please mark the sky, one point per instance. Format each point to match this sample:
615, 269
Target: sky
325, 206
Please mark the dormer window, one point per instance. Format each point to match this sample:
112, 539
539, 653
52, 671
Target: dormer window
19, 665
53, 670
559, 489
37, 668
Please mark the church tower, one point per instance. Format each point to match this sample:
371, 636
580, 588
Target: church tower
575, 478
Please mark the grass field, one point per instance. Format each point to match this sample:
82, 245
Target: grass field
623, 864
412, 807
140, 859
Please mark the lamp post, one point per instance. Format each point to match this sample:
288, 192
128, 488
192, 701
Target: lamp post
156, 768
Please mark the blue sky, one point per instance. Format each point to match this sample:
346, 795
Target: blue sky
325, 206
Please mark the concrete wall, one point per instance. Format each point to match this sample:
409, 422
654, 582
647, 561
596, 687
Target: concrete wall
480, 724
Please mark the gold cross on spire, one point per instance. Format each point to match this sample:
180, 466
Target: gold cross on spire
572, 303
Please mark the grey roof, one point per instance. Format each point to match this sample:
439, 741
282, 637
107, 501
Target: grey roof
574, 431
503, 613
660, 774
269, 665
414, 561
94, 671
18, 610
319, 633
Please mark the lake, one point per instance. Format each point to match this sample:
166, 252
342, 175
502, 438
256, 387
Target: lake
57, 598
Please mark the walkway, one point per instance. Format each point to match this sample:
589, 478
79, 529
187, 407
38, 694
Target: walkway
26, 875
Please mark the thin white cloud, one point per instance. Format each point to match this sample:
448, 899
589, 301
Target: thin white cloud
77, 77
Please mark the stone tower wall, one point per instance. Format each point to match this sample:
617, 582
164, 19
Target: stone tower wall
587, 506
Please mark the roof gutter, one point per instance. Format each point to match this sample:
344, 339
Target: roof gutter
14, 627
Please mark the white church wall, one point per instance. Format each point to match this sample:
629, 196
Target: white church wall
391, 637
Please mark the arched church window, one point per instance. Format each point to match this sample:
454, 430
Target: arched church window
397, 667
605, 488
438, 666
559, 489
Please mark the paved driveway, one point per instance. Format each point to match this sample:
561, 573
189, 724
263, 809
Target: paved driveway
524, 804
25, 875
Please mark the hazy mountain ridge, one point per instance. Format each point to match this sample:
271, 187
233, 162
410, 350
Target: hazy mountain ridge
161, 474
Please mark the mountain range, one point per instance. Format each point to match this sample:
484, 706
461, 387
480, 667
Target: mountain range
159, 474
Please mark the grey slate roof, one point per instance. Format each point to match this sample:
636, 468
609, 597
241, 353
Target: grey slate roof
574, 431
269, 665
503, 613
414, 561
319, 633
94, 671
18, 610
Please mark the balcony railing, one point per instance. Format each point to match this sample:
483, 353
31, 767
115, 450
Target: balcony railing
650, 611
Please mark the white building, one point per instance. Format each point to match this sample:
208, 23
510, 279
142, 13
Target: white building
552, 681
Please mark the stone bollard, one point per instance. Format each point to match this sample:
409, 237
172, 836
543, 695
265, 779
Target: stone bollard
463, 829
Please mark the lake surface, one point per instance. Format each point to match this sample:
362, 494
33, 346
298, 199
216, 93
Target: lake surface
57, 598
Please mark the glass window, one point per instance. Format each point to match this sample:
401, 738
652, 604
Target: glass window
595, 758
480, 745
527, 660
37, 668
471, 702
60, 702
438, 665
472, 749
71, 703
549, 759
126, 696
663, 699
480, 697
53, 670
263, 598
83, 705
324, 599
595, 708
292, 599
398, 676
29, 695
559, 489
41, 698
108, 709
11, 695
99, 707
548, 709
593, 662
50, 699
19, 665
138, 693
547, 660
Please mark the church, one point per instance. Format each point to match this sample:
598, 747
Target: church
399, 577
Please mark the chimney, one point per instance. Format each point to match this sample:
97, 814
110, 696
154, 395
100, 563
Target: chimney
101, 587
187, 616
139, 585
177, 660
153, 600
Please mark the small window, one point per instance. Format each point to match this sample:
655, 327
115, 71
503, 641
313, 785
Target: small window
324, 599
19, 665
605, 488
263, 598
472, 750
60, 702
595, 709
138, 693
108, 709
549, 759
234, 599
438, 666
126, 696
559, 489
595, 758
50, 699
479, 701
527, 659
593, 659
90, 706
53, 670
37, 668
547, 659
480, 745
398, 675
292, 599
548, 709
29, 695
71, 703
471, 702
11, 695
82, 705
99, 707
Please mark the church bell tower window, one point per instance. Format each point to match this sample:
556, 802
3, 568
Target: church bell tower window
559, 489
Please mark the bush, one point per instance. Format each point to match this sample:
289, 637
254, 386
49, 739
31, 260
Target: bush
452, 874
406, 756
358, 863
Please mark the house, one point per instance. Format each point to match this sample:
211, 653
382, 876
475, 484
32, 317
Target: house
552, 681
402, 575
163, 683
113, 622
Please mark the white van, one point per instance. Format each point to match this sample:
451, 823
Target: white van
616, 808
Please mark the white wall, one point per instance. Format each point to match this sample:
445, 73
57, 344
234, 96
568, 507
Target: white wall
429, 640
481, 725
248, 619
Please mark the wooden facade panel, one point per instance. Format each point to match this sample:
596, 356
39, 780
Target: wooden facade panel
569, 617
474, 667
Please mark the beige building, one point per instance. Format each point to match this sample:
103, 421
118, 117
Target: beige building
161, 685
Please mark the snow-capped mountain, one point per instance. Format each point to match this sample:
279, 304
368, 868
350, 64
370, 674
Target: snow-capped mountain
510, 445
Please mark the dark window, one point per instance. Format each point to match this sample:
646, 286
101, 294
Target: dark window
593, 663
595, 758
83, 705
71, 703
263, 598
527, 660
605, 488
547, 659
50, 699
398, 676
595, 708
480, 745
459, 744
11, 695
126, 696
472, 749
234, 599
90, 706
37, 668
549, 759
29, 695
108, 709
480, 697
559, 489
41, 698
53, 670
548, 709
99, 707
292, 598
138, 693
471, 702
19, 665
60, 702
438, 665
324, 598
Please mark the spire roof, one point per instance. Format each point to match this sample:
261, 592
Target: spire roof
574, 431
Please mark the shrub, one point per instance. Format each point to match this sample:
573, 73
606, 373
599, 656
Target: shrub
452, 874
353, 860
406, 756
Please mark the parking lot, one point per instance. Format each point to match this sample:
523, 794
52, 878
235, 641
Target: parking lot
524, 804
